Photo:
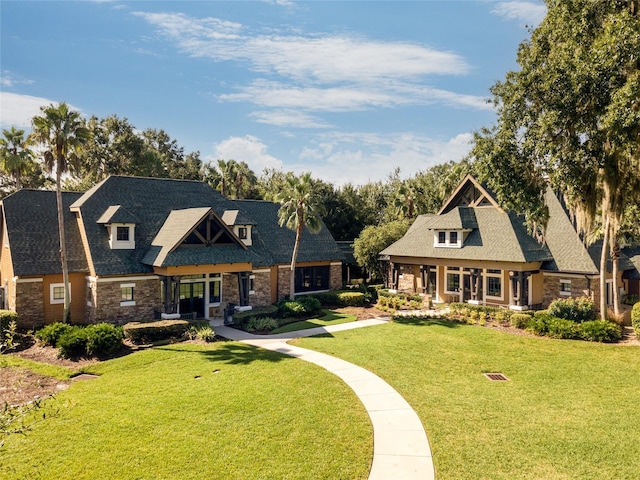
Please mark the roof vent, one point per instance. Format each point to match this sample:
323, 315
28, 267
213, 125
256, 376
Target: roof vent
496, 377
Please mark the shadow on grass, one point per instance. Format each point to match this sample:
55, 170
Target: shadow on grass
233, 353
426, 322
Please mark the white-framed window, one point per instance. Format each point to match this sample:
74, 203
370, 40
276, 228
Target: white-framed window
127, 298
447, 238
494, 284
565, 287
56, 293
121, 237
452, 280
242, 233
252, 284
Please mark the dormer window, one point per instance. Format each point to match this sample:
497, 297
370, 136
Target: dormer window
447, 238
244, 233
121, 237
122, 234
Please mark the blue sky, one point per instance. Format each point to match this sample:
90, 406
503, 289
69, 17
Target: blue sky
347, 90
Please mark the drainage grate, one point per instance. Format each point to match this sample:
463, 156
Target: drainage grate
496, 377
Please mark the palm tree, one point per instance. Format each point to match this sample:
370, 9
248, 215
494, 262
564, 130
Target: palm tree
299, 208
61, 132
16, 160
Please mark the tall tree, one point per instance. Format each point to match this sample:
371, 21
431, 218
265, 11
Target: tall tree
374, 239
61, 132
299, 208
16, 159
572, 112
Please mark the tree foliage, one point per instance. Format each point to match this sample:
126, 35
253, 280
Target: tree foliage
61, 132
299, 208
572, 114
16, 159
372, 240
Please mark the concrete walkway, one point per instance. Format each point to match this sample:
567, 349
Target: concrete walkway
400, 445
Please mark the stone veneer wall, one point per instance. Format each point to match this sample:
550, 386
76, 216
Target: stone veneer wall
29, 304
406, 282
578, 289
335, 276
107, 308
262, 289
230, 292
284, 276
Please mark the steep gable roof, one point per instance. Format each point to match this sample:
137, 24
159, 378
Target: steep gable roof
496, 236
567, 248
32, 228
179, 226
470, 193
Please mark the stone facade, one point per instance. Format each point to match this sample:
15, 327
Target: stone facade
335, 276
107, 306
261, 289
29, 304
284, 277
580, 287
406, 282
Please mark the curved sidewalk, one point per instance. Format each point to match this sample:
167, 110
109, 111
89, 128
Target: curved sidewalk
400, 444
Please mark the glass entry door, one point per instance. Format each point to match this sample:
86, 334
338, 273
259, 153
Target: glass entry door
192, 298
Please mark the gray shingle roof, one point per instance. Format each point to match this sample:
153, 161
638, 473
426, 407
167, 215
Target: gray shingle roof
32, 228
569, 254
117, 214
496, 236
152, 201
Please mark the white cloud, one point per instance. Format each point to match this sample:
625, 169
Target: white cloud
288, 118
8, 79
317, 73
19, 109
360, 158
248, 149
530, 13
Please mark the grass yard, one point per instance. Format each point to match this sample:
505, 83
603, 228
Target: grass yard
330, 317
569, 410
224, 410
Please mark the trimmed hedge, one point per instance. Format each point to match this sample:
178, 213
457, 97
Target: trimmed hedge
600, 331
258, 312
342, 298
520, 320
575, 309
140, 332
75, 341
635, 319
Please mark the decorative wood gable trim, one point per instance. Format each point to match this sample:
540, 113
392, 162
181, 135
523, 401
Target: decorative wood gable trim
470, 193
208, 232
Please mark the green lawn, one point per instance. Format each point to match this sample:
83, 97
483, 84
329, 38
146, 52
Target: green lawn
329, 317
569, 411
225, 410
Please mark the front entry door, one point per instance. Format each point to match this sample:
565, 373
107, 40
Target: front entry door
192, 298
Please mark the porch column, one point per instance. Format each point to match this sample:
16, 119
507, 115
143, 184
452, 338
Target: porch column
474, 277
394, 276
176, 294
424, 277
243, 288
516, 285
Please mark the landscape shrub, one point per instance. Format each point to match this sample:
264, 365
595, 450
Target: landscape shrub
204, 333
600, 331
6, 317
291, 308
561, 328
577, 309
520, 320
262, 324
538, 324
635, 318
103, 339
49, 335
240, 318
311, 305
140, 332
631, 299
343, 298
73, 343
